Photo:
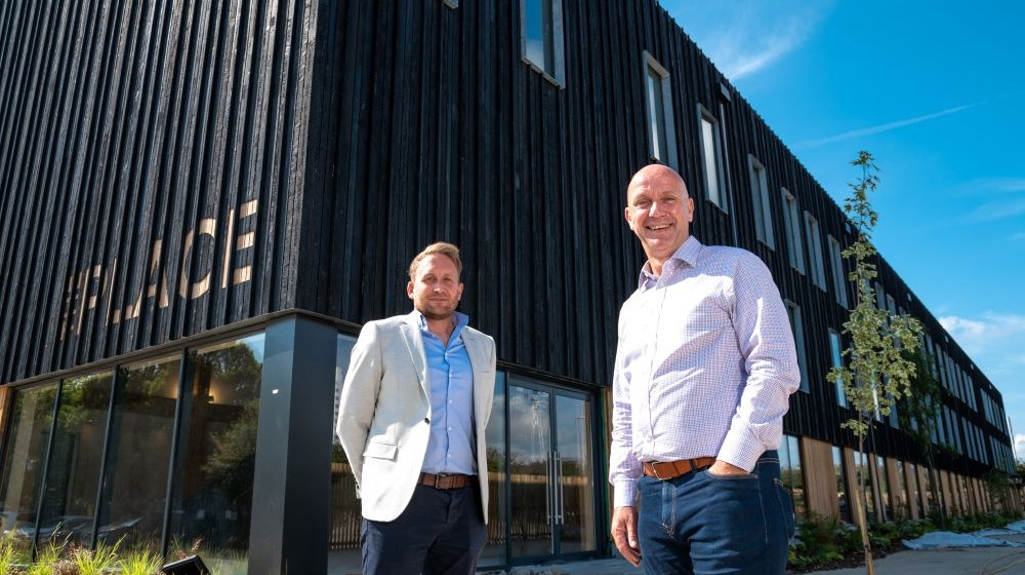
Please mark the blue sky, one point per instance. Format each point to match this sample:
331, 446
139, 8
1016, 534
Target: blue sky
936, 91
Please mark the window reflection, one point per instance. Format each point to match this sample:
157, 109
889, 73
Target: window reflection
68, 510
790, 469
138, 457
495, 551
213, 488
346, 514
840, 474
31, 420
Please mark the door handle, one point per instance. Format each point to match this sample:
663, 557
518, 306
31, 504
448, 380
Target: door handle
559, 489
549, 494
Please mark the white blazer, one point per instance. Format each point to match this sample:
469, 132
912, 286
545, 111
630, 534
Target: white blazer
385, 410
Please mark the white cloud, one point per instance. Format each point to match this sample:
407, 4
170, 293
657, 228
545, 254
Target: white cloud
873, 130
743, 37
1019, 446
992, 331
1005, 198
999, 210
1008, 184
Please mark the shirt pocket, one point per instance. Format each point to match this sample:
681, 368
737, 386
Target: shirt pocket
381, 450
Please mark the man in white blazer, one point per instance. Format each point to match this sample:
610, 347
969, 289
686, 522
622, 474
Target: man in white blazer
414, 408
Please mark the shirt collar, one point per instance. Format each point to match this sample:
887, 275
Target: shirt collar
685, 254
461, 320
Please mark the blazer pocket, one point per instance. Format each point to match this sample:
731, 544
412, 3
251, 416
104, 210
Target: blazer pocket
381, 450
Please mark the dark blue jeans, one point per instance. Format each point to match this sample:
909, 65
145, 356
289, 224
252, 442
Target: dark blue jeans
441, 532
708, 524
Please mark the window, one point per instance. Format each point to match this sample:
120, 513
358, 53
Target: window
794, 312
818, 269
75, 456
760, 199
135, 476
213, 490
790, 472
659, 102
711, 147
836, 352
884, 488
901, 492
28, 432
839, 277
864, 476
792, 228
542, 37
839, 473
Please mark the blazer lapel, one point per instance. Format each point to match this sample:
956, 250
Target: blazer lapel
477, 349
415, 344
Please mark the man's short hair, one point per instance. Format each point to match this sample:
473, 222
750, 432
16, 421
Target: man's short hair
442, 248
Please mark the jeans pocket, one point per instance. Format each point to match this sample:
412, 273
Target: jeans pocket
786, 506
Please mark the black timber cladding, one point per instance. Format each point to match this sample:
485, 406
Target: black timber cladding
362, 130
151, 160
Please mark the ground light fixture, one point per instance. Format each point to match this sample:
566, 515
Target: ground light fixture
191, 565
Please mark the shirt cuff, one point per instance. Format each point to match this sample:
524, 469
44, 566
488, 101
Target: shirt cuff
624, 493
737, 451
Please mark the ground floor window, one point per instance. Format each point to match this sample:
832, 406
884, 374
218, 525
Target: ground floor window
114, 444
842, 490
790, 469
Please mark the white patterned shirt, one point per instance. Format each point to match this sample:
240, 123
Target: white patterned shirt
704, 365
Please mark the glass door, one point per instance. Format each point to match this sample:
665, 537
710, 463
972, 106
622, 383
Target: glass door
551, 472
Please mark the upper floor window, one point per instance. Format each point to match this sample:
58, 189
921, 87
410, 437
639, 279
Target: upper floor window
839, 277
542, 37
659, 102
792, 229
711, 148
836, 355
760, 199
818, 268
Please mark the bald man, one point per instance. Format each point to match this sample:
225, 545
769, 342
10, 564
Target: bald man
704, 369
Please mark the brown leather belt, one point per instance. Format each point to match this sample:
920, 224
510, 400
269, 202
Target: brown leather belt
666, 470
445, 480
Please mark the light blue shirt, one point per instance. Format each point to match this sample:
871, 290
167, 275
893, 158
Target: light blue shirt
451, 447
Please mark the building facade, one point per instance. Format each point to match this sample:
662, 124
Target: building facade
202, 202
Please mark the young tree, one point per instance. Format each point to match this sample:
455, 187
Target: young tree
875, 374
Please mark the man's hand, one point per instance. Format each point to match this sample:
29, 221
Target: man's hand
723, 468
624, 534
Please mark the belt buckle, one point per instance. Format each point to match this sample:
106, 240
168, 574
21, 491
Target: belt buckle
654, 471
444, 481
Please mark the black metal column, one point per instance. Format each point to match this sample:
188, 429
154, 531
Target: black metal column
292, 486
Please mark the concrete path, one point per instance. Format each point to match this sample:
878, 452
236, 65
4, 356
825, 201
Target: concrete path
955, 561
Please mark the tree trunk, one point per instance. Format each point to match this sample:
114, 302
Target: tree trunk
859, 508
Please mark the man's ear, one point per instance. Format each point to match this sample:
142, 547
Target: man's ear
409, 289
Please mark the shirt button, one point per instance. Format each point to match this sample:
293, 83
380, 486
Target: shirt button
427, 420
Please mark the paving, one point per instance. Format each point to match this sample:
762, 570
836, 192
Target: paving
949, 561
